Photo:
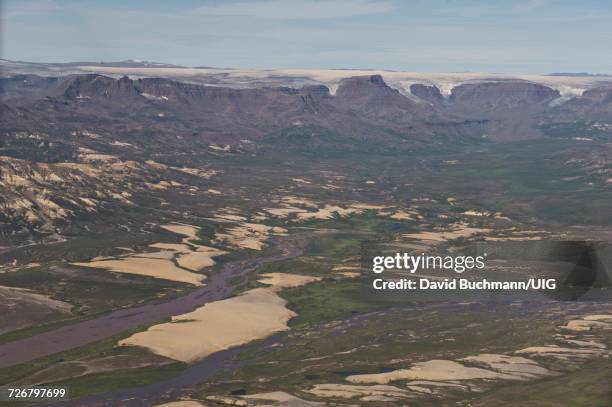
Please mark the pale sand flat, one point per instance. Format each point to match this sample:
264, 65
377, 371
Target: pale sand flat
455, 231
182, 403
344, 267
301, 180
157, 268
554, 349
216, 326
512, 238
249, 235
349, 391
598, 317
348, 274
587, 344
191, 232
432, 370
203, 257
368, 207
437, 384
220, 325
294, 200
230, 217
281, 398
586, 325
177, 247
164, 254
160, 265
514, 365
328, 212
284, 280
284, 211
402, 215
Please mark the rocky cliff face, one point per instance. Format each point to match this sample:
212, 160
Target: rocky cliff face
22, 89
427, 93
371, 95
99, 88
85, 144
594, 104
363, 107
502, 98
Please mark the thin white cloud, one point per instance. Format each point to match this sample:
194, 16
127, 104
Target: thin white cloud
297, 9
479, 8
12, 8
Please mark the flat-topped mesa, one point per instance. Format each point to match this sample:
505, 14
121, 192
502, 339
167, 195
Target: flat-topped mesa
20, 89
226, 107
602, 94
594, 104
98, 87
95, 86
428, 93
316, 91
372, 97
361, 85
502, 96
166, 90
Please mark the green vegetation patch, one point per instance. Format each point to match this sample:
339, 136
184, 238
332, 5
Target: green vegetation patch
591, 386
120, 379
329, 300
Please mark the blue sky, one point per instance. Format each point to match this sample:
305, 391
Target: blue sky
523, 36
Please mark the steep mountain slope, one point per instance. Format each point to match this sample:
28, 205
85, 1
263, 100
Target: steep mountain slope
363, 108
21, 89
499, 99
86, 144
595, 104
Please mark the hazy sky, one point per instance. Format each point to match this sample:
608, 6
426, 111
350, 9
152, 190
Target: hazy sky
524, 36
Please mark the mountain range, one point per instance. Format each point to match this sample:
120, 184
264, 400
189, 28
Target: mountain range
75, 136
